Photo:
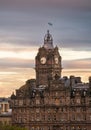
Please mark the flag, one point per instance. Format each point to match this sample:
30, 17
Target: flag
50, 24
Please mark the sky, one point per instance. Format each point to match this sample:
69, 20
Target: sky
23, 25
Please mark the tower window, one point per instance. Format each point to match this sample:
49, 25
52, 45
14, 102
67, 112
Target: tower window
49, 117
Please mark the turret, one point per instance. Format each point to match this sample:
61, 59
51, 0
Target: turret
90, 81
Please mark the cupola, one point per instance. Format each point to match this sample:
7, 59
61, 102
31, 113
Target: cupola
48, 41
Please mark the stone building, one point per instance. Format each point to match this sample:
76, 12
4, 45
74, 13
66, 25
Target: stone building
52, 102
5, 118
5, 111
4, 105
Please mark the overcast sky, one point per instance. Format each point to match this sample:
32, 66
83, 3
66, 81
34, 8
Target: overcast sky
23, 24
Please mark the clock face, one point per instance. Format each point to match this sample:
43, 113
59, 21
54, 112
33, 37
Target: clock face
43, 60
56, 60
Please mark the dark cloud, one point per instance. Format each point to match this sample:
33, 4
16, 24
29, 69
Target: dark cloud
74, 44
84, 4
26, 28
71, 29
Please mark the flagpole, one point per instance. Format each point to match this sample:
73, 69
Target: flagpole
50, 25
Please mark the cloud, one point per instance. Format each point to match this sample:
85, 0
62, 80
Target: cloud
11, 78
17, 63
45, 3
27, 28
76, 45
77, 64
23, 24
18, 48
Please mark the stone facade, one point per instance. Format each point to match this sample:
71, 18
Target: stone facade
52, 102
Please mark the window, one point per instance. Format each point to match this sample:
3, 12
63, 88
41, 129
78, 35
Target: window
37, 102
61, 128
37, 117
84, 128
20, 120
62, 109
56, 94
48, 127
84, 117
72, 128
37, 110
6, 107
37, 128
54, 117
57, 101
78, 117
72, 101
15, 102
66, 127
89, 102
32, 117
41, 128
62, 117
20, 102
49, 117
25, 120
83, 101
78, 109
48, 110
43, 117
84, 108
78, 128
78, 101
90, 117
32, 128
73, 108
73, 117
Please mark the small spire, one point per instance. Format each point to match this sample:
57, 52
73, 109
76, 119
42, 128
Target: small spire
49, 37
48, 41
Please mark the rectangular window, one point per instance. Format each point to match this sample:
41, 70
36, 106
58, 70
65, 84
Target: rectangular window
54, 117
37, 117
49, 117
32, 128
90, 117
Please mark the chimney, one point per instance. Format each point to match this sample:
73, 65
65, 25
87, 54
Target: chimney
72, 80
90, 81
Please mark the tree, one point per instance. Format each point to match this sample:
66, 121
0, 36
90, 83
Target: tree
8, 127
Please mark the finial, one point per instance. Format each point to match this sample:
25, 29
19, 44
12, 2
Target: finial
48, 32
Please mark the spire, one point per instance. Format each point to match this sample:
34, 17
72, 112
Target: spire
48, 41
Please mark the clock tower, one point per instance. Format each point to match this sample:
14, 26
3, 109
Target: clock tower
47, 62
